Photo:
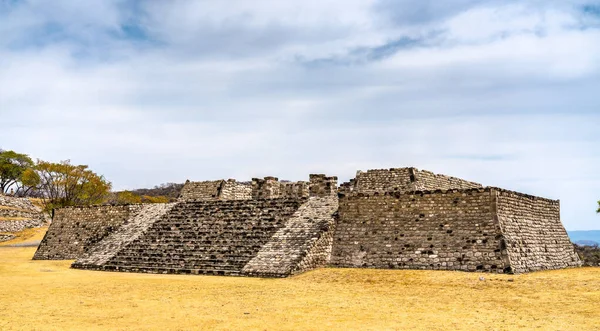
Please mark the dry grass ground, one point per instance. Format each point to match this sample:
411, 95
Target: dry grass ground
46, 295
30, 234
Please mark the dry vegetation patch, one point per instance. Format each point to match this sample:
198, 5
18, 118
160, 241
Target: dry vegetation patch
15, 208
43, 294
29, 234
3, 219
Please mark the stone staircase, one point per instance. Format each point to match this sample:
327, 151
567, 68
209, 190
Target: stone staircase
304, 243
197, 237
128, 232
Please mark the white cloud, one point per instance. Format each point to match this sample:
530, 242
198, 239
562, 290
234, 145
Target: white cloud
504, 94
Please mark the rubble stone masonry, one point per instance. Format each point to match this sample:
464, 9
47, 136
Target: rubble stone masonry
17, 214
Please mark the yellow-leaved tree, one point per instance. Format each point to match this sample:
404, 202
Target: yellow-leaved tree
128, 197
64, 184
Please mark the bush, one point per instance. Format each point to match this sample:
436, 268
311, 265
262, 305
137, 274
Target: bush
590, 255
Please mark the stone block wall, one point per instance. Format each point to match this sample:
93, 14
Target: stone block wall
267, 188
234, 190
75, 229
535, 237
383, 180
427, 180
445, 230
272, 188
402, 180
322, 186
206, 190
294, 189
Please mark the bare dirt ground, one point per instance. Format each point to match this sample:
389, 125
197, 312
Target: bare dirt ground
47, 295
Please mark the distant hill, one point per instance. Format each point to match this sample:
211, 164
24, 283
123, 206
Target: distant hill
170, 190
160, 193
587, 238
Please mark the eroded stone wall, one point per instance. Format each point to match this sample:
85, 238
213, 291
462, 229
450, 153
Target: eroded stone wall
75, 229
445, 230
535, 237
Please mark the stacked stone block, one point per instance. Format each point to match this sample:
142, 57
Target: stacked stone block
382, 180
206, 190
266, 188
74, 230
294, 189
442, 230
322, 186
271, 188
427, 180
234, 190
402, 180
535, 237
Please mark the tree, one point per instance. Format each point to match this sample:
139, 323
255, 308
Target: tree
13, 166
128, 197
30, 180
598, 211
63, 184
157, 199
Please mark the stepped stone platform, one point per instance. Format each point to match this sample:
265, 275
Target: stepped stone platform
202, 237
399, 218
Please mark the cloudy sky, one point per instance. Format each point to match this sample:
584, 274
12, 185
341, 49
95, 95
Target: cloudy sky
506, 93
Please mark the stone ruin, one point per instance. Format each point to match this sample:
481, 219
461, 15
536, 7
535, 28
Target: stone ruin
399, 218
17, 214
